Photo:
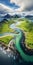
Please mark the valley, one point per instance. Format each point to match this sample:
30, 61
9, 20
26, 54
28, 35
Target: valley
27, 27
16, 32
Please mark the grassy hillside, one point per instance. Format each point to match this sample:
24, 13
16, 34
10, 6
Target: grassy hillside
27, 27
6, 39
4, 26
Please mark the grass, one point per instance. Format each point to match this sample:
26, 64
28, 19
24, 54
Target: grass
27, 27
4, 26
6, 39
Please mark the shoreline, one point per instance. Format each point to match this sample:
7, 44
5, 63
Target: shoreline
21, 48
26, 50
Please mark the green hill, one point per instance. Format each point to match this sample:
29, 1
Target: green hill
27, 27
4, 28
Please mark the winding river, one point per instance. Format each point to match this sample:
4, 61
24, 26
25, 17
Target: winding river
17, 42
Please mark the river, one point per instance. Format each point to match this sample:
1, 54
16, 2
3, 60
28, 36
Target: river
17, 43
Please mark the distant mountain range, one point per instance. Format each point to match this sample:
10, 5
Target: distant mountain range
10, 16
6, 17
30, 17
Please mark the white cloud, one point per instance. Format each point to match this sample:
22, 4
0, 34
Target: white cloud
24, 4
5, 8
9, 10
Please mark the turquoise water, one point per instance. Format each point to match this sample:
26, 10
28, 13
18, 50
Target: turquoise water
17, 44
23, 55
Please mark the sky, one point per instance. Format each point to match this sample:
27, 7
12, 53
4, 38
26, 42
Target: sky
16, 6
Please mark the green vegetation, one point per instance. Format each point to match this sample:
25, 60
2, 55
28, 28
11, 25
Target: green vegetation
4, 26
27, 27
6, 39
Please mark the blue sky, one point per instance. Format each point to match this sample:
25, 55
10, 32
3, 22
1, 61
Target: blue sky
7, 2
17, 6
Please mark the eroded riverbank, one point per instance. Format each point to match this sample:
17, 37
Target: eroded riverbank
18, 39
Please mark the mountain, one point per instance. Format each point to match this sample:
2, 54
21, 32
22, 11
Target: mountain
11, 16
7, 16
16, 16
30, 17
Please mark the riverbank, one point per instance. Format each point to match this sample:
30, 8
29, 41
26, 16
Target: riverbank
18, 38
